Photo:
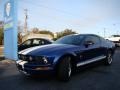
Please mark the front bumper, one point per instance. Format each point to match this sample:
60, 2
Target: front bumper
33, 68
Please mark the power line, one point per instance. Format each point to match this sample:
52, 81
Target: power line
53, 9
49, 16
104, 32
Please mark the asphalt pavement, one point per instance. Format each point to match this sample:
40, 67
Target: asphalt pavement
98, 77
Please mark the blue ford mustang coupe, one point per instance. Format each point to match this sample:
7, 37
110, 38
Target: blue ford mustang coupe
65, 55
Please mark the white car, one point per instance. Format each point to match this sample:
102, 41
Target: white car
115, 39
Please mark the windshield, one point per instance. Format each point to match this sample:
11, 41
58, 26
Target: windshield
71, 39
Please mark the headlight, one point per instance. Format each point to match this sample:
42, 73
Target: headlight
19, 56
42, 60
23, 57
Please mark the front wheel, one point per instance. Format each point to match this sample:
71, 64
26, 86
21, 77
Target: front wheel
109, 59
65, 69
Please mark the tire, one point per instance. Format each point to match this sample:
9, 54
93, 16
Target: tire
109, 58
64, 69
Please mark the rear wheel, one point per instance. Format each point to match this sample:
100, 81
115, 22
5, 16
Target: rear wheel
109, 58
65, 69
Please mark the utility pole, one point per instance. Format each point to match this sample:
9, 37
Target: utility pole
25, 22
104, 32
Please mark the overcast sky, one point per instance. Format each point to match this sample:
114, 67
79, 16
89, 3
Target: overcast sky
83, 16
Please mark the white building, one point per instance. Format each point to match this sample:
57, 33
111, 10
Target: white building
32, 35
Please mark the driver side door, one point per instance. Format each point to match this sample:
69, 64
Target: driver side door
90, 48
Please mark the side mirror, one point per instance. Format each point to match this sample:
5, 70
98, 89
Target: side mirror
88, 43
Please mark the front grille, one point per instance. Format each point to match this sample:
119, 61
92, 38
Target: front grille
34, 59
31, 58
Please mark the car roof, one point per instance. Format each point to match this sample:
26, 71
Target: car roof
85, 35
40, 38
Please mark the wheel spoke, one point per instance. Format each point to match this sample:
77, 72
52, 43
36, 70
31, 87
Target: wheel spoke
109, 58
69, 72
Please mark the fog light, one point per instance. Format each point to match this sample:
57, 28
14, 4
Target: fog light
45, 60
30, 58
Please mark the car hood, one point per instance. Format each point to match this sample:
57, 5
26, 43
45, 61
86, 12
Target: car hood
48, 49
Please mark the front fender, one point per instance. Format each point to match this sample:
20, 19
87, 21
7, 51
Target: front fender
58, 58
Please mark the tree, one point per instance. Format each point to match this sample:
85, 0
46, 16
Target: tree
20, 31
20, 38
64, 33
20, 27
1, 36
35, 30
46, 32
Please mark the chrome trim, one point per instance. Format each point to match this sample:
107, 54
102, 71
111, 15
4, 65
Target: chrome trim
22, 63
91, 60
25, 73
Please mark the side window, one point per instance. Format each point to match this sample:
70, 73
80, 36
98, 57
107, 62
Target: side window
46, 42
94, 39
38, 42
41, 42
103, 41
78, 40
28, 42
88, 39
35, 42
